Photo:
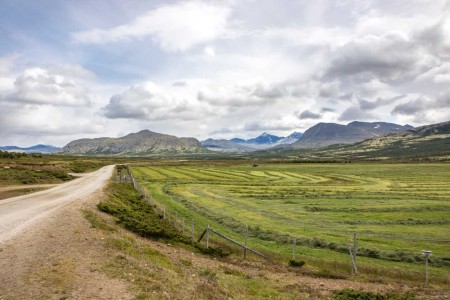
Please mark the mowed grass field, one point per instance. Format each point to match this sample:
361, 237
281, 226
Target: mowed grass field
397, 210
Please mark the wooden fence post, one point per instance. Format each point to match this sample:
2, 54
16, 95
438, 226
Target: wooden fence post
354, 251
207, 236
293, 249
193, 229
245, 241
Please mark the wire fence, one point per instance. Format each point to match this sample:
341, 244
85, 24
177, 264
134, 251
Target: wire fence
190, 229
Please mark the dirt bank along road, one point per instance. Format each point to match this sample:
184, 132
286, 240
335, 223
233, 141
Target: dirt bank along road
19, 213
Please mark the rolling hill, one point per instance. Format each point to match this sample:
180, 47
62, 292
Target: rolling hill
142, 143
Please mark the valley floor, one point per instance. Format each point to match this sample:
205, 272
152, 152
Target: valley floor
79, 253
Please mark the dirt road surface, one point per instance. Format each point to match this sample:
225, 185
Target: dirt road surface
19, 213
48, 249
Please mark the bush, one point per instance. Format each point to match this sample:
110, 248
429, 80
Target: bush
296, 263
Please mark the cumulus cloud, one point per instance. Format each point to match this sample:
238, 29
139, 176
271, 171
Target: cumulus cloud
42, 86
174, 27
307, 114
247, 94
149, 101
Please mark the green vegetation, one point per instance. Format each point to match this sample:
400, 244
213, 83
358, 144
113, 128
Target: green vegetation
20, 168
397, 210
135, 214
11, 155
296, 263
32, 175
349, 294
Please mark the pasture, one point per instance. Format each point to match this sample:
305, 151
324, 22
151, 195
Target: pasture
397, 210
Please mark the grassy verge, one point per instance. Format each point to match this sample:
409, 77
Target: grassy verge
163, 267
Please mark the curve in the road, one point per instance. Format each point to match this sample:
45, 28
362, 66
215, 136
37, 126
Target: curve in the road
18, 213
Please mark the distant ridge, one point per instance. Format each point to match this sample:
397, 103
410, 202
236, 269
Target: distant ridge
142, 143
430, 142
325, 134
261, 142
44, 149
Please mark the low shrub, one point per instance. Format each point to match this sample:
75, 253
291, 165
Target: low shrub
296, 263
349, 294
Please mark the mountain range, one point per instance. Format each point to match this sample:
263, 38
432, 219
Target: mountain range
361, 140
325, 134
425, 142
44, 149
261, 142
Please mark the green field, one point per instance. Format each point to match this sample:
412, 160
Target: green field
397, 210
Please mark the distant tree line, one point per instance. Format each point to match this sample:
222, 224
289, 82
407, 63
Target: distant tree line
11, 155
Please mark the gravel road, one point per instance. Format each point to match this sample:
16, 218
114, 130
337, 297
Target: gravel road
19, 213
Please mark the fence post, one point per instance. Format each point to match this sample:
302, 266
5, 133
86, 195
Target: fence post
207, 236
354, 251
164, 213
427, 254
193, 228
245, 242
293, 249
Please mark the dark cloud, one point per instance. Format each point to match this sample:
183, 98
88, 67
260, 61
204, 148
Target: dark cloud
307, 114
329, 90
327, 109
355, 113
391, 56
370, 105
179, 83
267, 126
423, 104
436, 37
346, 96
411, 108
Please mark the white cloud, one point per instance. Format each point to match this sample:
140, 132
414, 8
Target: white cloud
209, 51
175, 27
243, 94
41, 86
149, 101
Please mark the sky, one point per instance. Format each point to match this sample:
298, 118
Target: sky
221, 69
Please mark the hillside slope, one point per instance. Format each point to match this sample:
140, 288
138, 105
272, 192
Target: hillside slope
431, 141
325, 134
144, 142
